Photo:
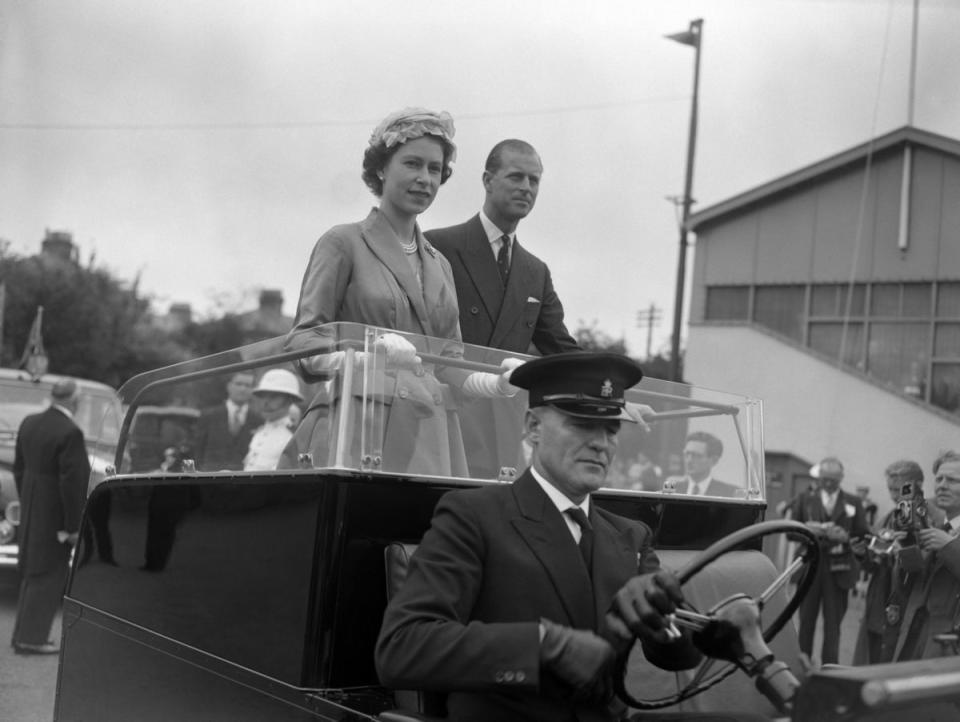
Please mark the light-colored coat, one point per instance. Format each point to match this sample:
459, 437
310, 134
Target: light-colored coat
358, 273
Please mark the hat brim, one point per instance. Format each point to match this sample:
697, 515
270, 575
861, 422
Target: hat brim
591, 411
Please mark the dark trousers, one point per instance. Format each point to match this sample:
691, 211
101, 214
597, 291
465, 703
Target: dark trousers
825, 593
40, 598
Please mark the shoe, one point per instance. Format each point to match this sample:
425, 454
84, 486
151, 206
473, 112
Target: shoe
26, 648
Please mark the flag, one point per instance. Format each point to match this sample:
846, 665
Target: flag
34, 357
689, 37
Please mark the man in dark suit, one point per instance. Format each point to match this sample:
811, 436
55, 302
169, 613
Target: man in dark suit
838, 520
934, 605
505, 600
505, 294
224, 431
51, 471
700, 454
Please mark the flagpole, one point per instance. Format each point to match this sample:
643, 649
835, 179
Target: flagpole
691, 37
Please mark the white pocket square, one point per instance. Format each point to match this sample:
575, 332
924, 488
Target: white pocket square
531, 299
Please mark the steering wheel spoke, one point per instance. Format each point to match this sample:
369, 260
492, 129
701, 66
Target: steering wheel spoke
708, 673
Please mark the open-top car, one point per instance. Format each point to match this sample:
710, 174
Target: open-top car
200, 594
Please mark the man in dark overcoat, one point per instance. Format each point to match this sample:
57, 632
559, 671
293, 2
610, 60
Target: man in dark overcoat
51, 471
505, 294
224, 431
838, 520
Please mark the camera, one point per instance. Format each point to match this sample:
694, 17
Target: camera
899, 539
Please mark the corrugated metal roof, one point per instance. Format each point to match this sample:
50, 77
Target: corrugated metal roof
810, 173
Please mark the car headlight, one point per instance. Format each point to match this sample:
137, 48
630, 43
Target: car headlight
12, 512
7, 531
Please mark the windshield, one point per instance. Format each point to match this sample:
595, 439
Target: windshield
341, 397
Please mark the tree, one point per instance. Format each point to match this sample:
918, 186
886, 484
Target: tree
94, 325
591, 338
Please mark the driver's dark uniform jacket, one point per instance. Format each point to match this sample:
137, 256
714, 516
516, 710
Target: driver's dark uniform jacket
495, 561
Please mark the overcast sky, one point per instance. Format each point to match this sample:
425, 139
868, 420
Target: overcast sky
206, 145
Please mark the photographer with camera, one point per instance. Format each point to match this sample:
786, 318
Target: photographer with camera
893, 561
837, 519
932, 616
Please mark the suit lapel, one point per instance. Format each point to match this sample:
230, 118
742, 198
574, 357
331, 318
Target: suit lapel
546, 533
519, 282
481, 266
613, 565
383, 243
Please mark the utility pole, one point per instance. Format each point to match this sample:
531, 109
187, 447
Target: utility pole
691, 37
649, 317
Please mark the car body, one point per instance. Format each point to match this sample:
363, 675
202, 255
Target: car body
99, 415
198, 595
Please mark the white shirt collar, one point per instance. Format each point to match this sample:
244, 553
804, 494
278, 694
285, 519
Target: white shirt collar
557, 497
954, 523
701, 486
494, 234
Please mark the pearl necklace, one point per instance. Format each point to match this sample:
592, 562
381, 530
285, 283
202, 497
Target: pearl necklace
409, 248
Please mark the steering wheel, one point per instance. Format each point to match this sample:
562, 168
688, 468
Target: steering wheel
729, 611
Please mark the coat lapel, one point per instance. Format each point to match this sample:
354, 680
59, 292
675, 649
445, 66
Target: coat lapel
519, 283
546, 533
481, 266
384, 244
614, 563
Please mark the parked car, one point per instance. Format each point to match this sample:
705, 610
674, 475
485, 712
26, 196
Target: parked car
155, 429
98, 414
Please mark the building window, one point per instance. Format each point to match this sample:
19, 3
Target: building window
833, 338
728, 303
948, 300
897, 354
946, 340
945, 386
781, 308
831, 300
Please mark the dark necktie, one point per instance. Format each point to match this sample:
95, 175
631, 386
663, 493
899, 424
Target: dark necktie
234, 421
586, 535
503, 259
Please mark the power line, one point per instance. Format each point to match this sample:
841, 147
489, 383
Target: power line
308, 124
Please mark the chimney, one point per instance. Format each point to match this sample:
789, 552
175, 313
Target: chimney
59, 245
180, 315
271, 302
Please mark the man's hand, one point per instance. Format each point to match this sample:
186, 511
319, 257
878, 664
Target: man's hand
577, 656
933, 540
836, 534
640, 607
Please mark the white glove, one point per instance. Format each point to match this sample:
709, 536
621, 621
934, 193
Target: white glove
486, 385
504, 387
400, 352
637, 412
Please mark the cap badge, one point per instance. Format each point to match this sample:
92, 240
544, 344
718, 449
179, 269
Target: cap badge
606, 390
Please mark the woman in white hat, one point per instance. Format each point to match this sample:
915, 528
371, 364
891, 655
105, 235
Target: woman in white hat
382, 272
276, 391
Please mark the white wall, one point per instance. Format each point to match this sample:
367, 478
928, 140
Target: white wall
812, 409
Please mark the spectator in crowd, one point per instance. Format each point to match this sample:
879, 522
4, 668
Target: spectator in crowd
837, 518
505, 294
890, 579
700, 454
934, 605
276, 391
869, 507
224, 431
643, 474
383, 272
500, 605
51, 471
